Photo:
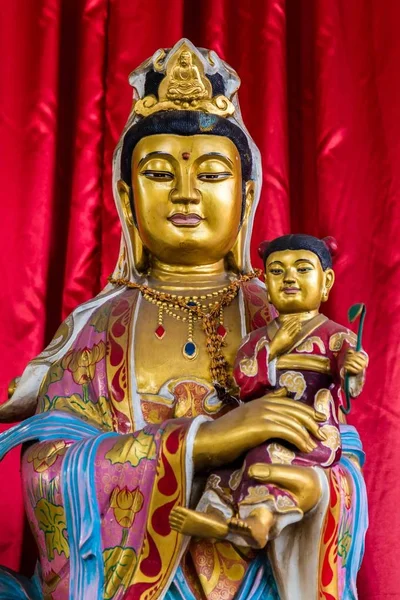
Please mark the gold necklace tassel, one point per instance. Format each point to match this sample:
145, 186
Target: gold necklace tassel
160, 330
221, 330
189, 349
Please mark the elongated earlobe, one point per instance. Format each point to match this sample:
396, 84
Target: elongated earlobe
123, 192
236, 255
140, 253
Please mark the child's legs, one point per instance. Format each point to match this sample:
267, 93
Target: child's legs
266, 502
213, 512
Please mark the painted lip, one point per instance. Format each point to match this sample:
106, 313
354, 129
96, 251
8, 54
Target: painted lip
290, 290
185, 220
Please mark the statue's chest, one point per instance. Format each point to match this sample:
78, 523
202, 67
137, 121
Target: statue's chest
161, 355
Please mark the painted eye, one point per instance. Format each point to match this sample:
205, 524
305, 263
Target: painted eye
303, 269
158, 175
276, 271
214, 176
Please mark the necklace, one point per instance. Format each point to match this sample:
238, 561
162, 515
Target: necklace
187, 313
191, 309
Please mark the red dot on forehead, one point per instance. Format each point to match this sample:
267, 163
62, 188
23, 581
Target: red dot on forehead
185, 155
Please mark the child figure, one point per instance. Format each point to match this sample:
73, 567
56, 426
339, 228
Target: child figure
305, 355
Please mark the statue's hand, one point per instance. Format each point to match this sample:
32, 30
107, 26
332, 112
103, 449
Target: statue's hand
355, 362
284, 337
221, 441
302, 482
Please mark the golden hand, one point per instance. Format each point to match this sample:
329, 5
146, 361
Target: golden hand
284, 337
355, 362
222, 441
302, 482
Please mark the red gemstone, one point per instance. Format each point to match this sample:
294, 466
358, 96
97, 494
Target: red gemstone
160, 332
221, 331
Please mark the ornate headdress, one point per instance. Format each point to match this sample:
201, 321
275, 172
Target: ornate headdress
183, 78
185, 85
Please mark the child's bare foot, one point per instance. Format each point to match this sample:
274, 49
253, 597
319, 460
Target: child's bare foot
205, 525
255, 528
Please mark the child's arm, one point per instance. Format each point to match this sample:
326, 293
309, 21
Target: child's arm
352, 363
255, 364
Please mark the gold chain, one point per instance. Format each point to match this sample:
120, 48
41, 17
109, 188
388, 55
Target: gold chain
194, 308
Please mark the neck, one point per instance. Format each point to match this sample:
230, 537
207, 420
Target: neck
174, 277
301, 316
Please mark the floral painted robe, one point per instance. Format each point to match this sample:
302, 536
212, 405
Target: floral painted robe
318, 383
110, 466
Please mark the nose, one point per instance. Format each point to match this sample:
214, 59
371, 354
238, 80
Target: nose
185, 191
289, 275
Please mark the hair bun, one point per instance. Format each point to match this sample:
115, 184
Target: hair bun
262, 248
332, 245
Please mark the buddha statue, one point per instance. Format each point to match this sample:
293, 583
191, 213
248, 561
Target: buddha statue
185, 80
133, 403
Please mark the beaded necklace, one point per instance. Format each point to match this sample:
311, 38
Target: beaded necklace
194, 308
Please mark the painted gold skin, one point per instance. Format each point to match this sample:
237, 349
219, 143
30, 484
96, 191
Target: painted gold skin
192, 259
206, 185
297, 285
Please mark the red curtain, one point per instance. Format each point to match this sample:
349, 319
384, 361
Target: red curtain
321, 97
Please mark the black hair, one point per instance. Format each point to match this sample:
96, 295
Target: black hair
300, 241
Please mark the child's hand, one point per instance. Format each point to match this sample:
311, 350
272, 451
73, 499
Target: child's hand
284, 337
355, 362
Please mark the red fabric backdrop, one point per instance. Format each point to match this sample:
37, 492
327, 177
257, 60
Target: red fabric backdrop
321, 97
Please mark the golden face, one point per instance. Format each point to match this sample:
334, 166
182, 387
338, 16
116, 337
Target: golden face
185, 59
296, 281
187, 194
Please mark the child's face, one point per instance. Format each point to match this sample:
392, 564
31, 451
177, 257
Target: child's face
296, 281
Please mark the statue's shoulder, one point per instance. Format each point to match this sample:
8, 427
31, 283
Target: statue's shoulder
116, 306
89, 320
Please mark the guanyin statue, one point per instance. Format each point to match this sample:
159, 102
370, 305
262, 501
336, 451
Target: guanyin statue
133, 403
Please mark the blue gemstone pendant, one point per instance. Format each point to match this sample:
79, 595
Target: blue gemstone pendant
189, 350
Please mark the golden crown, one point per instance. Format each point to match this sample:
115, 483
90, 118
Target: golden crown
184, 86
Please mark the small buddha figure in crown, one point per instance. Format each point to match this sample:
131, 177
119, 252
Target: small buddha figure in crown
185, 83
316, 354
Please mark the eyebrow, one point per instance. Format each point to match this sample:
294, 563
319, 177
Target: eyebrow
224, 158
155, 153
307, 260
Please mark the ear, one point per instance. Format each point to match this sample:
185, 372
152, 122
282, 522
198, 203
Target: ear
124, 195
249, 193
140, 254
236, 258
329, 281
